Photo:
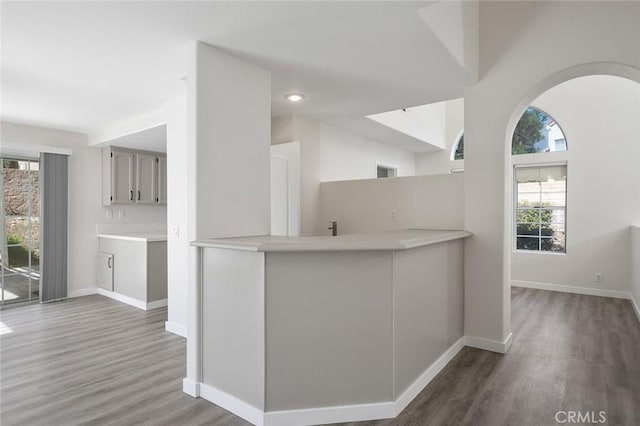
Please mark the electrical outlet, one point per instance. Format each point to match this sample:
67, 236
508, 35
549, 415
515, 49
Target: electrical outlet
599, 277
175, 231
394, 215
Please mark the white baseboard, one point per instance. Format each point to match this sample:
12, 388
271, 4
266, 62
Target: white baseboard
327, 415
83, 292
176, 328
231, 403
156, 304
573, 289
488, 344
428, 375
131, 301
347, 413
191, 388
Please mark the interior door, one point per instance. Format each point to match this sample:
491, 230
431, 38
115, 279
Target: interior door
285, 189
145, 179
279, 196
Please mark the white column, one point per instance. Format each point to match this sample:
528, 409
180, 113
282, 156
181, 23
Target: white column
228, 144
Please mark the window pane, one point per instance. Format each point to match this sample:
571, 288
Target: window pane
539, 189
528, 243
558, 216
528, 229
558, 242
527, 216
537, 131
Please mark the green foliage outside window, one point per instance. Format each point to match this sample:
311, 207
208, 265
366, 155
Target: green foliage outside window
534, 222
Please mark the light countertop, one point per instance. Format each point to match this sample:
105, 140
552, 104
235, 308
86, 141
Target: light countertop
392, 240
136, 236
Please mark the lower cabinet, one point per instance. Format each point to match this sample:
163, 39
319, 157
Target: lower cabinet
139, 271
105, 271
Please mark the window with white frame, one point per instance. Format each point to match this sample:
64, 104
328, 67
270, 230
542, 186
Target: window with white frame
541, 208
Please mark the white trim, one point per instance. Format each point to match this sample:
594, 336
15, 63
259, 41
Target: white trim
175, 328
347, 413
191, 388
428, 375
634, 303
232, 404
25, 149
83, 292
155, 304
131, 301
572, 289
488, 344
325, 415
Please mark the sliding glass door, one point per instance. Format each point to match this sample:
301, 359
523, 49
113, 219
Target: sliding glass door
19, 231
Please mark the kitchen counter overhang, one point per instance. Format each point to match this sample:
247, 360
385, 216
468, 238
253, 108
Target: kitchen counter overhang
392, 240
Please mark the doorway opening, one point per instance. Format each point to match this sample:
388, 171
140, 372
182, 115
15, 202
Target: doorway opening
19, 231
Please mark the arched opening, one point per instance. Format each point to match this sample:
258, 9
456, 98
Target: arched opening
598, 106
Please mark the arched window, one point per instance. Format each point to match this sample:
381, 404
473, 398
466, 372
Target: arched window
458, 150
537, 131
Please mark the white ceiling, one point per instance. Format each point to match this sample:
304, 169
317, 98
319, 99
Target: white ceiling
83, 66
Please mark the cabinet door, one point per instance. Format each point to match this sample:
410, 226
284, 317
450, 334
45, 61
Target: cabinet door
121, 177
161, 197
105, 271
145, 179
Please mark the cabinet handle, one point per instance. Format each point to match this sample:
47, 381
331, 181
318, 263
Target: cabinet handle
109, 263
138, 195
131, 195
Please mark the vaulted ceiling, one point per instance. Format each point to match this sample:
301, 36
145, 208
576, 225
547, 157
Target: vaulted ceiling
85, 65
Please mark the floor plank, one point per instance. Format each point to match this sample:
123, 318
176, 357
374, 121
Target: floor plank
95, 361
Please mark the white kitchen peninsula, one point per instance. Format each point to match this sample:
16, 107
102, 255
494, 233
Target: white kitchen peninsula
304, 330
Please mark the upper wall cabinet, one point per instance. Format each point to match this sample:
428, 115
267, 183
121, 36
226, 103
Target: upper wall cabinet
161, 184
133, 177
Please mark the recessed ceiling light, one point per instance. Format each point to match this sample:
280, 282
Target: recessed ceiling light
294, 97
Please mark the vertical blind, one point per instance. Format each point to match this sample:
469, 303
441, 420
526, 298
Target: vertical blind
54, 179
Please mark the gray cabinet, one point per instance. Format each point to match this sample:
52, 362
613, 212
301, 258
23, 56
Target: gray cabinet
146, 178
105, 271
161, 184
138, 268
121, 166
133, 177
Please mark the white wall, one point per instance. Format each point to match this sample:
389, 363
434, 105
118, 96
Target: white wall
177, 215
85, 201
513, 38
328, 153
439, 162
423, 122
228, 165
599, 116
428, 202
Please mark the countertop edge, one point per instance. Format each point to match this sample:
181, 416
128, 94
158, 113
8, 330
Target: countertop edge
328, 245
132, 238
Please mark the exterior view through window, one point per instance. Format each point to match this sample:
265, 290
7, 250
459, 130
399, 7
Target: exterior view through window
19, 231
535, 132
541, 208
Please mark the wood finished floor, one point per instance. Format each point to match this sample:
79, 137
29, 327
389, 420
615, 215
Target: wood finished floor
94, 361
